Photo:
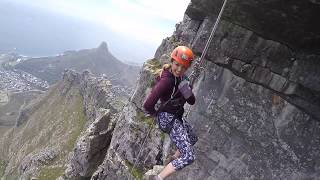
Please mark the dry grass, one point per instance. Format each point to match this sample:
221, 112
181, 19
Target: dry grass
57, 123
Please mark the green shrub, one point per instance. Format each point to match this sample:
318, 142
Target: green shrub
3, 165
136, 172
48, 173
148, 120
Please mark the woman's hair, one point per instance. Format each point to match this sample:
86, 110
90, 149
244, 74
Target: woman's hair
158, 72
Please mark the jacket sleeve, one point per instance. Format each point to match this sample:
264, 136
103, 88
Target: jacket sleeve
191, 100
162, 87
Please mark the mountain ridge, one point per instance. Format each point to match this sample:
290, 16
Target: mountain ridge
98, 61
47, 133
248, 128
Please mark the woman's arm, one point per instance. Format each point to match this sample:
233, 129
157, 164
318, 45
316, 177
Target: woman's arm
162, 87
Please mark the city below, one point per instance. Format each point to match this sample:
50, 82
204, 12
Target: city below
15, 80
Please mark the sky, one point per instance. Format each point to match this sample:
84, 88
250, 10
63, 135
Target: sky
143, 23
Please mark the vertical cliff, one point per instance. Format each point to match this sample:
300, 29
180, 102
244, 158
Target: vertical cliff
68, 129
257, 102
257, 110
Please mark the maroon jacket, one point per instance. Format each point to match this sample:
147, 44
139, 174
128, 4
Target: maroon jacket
167, 86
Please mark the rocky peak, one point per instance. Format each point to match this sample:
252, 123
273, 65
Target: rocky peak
103, 47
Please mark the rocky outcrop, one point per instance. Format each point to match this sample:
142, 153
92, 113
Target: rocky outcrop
26, 110
69, 128
257, 110
257, 101
293, 74
93, 144
259, 107
249, 132
292, 23
91, 147
265, 62
136, 143
44, 139
31, 164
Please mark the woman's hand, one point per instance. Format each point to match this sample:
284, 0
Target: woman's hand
185, 89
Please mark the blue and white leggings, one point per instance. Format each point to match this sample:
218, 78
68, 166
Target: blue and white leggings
182, 136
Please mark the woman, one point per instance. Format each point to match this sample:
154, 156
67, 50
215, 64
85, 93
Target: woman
174, 91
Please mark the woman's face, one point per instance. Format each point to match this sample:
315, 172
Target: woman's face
177, 69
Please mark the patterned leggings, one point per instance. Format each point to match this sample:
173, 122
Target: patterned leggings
182, 136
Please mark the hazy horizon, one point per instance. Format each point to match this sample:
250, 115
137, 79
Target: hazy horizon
33, 31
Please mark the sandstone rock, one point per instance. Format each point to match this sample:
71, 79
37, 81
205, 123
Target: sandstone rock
257, 110
32, 162
91, 148
93, 144
155, 171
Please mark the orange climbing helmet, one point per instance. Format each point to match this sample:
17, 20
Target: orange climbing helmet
183, 55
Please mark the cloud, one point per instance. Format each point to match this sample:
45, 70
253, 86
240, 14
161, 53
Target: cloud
148, 20
144, 20
154, 9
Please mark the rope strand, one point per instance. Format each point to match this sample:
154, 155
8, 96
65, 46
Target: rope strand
200, 62
204, 52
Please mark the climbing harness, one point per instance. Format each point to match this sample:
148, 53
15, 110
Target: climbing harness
199, 65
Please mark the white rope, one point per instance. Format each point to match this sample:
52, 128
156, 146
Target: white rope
200, 62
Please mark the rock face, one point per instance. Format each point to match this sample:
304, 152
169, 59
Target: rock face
257, 112
69, 128
257, 109
249, 132
293, 74
257, 101
31, 163
92, 146
136, 143
25, 112
293, 23
41, 142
